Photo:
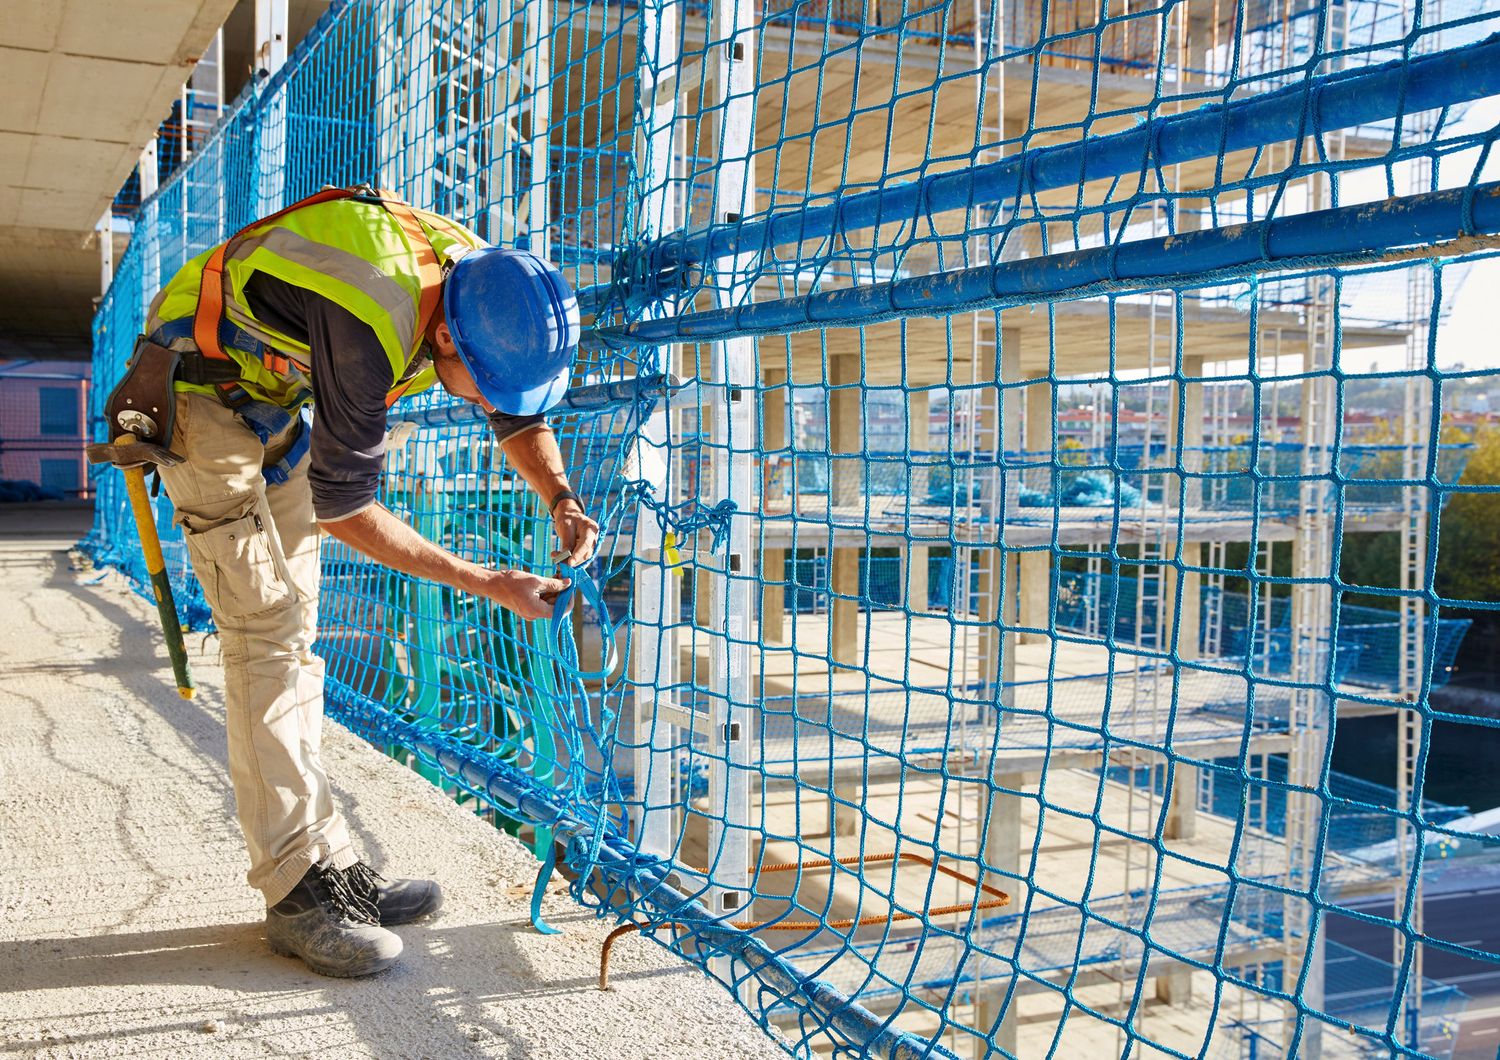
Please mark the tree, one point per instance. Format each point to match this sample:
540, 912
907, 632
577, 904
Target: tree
1468, 564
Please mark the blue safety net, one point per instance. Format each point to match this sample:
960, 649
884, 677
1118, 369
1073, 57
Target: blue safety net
990, 410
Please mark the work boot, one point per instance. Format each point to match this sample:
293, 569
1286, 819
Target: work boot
396, 901
328, 924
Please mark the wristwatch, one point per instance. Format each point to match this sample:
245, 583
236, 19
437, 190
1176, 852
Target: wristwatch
562, 496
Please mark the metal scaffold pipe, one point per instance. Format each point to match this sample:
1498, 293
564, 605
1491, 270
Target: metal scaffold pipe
1342, 236
1316, 105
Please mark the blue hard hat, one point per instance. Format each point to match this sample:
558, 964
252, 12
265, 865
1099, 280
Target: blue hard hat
514, 320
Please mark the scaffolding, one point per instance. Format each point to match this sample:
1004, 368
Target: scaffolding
874, 593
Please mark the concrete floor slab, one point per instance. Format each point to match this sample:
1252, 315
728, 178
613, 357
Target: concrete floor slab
126, 927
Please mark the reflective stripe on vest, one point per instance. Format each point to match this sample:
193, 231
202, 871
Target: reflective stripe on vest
332, 263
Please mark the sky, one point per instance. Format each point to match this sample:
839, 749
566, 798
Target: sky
1471, 333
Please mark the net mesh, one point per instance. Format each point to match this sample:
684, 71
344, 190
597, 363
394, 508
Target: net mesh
992, 530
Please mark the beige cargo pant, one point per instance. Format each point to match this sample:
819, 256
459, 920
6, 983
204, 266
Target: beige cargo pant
254, 549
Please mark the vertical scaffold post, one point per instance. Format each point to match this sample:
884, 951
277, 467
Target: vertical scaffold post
404, 88
146, 225
1311, 660
503, 84
538, 64
735, 375
1412, 675
106, 230
271, 130
203, 196
1312, 628
657, 593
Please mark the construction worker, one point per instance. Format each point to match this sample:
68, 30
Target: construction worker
346, 301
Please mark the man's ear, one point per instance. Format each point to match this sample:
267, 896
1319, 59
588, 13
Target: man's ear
443, 337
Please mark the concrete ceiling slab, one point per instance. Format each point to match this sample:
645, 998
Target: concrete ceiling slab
71, 99
135, 32
24, 75
15, 156
71, 165
83, 86
31, 26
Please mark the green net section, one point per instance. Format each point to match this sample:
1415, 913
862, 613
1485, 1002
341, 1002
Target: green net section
977, 405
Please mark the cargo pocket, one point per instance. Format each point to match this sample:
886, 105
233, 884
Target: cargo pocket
240, 568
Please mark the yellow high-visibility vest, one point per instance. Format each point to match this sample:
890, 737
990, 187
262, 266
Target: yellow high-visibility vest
351, 251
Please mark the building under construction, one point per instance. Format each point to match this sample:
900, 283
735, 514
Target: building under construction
965, 399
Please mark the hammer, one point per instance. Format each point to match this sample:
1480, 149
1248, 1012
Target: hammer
132, 456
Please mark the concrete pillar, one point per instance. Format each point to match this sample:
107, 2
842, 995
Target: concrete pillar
1000, 428
1175, 987
1182, 811
149, 171
845, 820
845, 435
1192, 215
918, 440
1002, 855
773, 409
1187, 408
1036, 567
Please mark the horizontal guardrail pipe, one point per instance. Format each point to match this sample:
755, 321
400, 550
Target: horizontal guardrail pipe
1348, 235
510, 788
593, 399
1320, 104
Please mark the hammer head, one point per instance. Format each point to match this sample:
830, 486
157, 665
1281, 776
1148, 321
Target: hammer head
131, 454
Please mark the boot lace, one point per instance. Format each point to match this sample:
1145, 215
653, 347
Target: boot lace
365, 881
352, 892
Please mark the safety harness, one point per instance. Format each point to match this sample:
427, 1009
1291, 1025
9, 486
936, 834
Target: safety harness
143, 401
209, 317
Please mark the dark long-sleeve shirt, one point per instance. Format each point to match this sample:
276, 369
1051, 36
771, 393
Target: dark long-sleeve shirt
351, 376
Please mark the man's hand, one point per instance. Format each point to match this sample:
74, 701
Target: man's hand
528, 595
578, 534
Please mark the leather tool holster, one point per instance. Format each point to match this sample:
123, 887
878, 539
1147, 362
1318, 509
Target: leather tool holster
143, 402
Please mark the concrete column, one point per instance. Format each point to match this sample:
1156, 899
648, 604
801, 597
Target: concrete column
773, 408
1187, 408
1002, 854
845, 820
914, 560
1175, 987
1192, 215
1000, 428
150, 173
998, 571
1036, 567
1182, 811
271, 33
845, 435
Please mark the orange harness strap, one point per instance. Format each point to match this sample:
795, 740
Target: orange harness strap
429, 269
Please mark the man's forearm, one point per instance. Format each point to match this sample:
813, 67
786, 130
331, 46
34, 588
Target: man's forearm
535, 456
390, 542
